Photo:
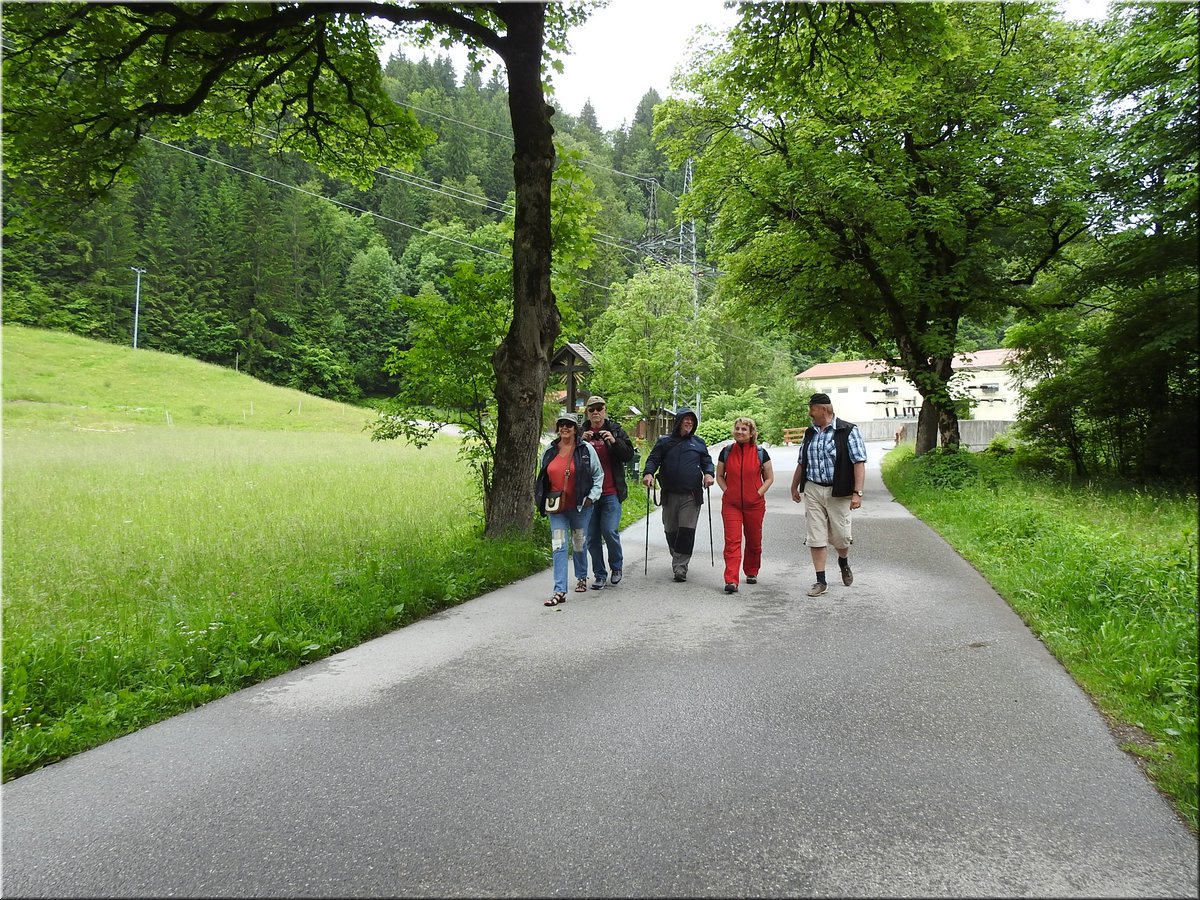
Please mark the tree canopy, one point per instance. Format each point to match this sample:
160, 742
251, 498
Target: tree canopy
1114, 378
878, 173
85, 83
653, 346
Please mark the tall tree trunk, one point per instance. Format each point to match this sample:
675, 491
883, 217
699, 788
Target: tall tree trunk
522, 361
927, 428
939, 416
948, 427
936, 422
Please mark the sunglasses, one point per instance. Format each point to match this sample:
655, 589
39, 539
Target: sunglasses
594, 408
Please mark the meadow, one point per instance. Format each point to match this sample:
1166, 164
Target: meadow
1104, 574
149, 567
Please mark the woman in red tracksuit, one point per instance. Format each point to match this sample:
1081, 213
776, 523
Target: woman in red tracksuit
744, 474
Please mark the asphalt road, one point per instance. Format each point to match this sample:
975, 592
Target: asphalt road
906, 736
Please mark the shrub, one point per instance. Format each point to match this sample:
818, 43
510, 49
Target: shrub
947, 469
714, 431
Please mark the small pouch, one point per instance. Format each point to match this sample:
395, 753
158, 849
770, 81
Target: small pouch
554, 499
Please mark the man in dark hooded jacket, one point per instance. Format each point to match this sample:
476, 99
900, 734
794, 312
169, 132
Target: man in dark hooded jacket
684, 468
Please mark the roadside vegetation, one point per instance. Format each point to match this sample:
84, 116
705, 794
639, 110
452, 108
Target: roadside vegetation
149, 567
1104, 573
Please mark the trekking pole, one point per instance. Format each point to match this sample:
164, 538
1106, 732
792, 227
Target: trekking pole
712, 555
646, 558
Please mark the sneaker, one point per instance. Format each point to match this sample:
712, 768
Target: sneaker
817, 589
847, 577
750, 579
731, 588
598, 584
681, 576
616, 577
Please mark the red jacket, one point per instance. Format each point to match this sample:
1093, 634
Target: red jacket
743, 474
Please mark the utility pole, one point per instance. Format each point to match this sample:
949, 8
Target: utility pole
687, 246
137, 302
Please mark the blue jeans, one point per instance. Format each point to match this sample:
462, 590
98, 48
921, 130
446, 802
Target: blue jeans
605, 530
569, 530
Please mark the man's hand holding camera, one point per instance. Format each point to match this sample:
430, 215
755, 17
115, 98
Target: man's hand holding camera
606, 436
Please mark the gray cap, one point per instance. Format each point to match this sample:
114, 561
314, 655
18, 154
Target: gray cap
566, 417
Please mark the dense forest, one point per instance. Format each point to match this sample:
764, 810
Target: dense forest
889, 198
267, 265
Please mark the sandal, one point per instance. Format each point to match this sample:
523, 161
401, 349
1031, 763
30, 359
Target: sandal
581, 586
556, 598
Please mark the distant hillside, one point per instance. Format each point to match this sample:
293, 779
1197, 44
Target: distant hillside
59, 379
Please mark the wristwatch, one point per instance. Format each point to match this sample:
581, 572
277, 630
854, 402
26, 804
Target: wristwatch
859, 493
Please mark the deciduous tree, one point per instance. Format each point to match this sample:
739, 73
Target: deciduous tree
652, 347
84, 83
877, 173
1117, 376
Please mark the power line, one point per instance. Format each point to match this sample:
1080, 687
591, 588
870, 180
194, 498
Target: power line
644, 178
301, 190
345, 205
413, 180
455, 121
586, 162
451, 192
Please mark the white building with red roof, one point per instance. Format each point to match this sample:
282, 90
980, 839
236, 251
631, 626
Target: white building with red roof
860, 392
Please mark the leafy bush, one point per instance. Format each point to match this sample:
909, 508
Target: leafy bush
1000, 446
722, 409
947, 469
787, 407
714, 431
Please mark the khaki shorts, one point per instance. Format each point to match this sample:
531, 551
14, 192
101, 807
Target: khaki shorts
827, 518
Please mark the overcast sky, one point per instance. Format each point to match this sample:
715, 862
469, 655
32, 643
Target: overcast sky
627, 48
631, 46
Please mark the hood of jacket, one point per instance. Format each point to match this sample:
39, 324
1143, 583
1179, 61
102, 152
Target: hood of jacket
682, 413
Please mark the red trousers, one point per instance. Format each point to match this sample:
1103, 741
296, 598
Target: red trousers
738, 519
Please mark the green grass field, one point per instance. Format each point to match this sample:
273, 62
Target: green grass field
64, 382
149, 567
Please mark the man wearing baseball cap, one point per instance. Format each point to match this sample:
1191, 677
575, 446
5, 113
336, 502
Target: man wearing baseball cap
614, 449
830, 471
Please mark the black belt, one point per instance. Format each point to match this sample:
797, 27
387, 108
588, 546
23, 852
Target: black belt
822, 483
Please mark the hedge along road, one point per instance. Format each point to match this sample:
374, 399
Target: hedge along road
906, 736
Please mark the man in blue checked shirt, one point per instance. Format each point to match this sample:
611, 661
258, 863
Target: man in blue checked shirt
829, 472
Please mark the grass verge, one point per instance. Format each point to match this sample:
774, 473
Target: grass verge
1105, 575
150, 571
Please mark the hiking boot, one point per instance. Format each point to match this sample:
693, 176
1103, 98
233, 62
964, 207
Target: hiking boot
598, 584
750, 579
731, 588
615, 578
681, 576
817, 589
847, 577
